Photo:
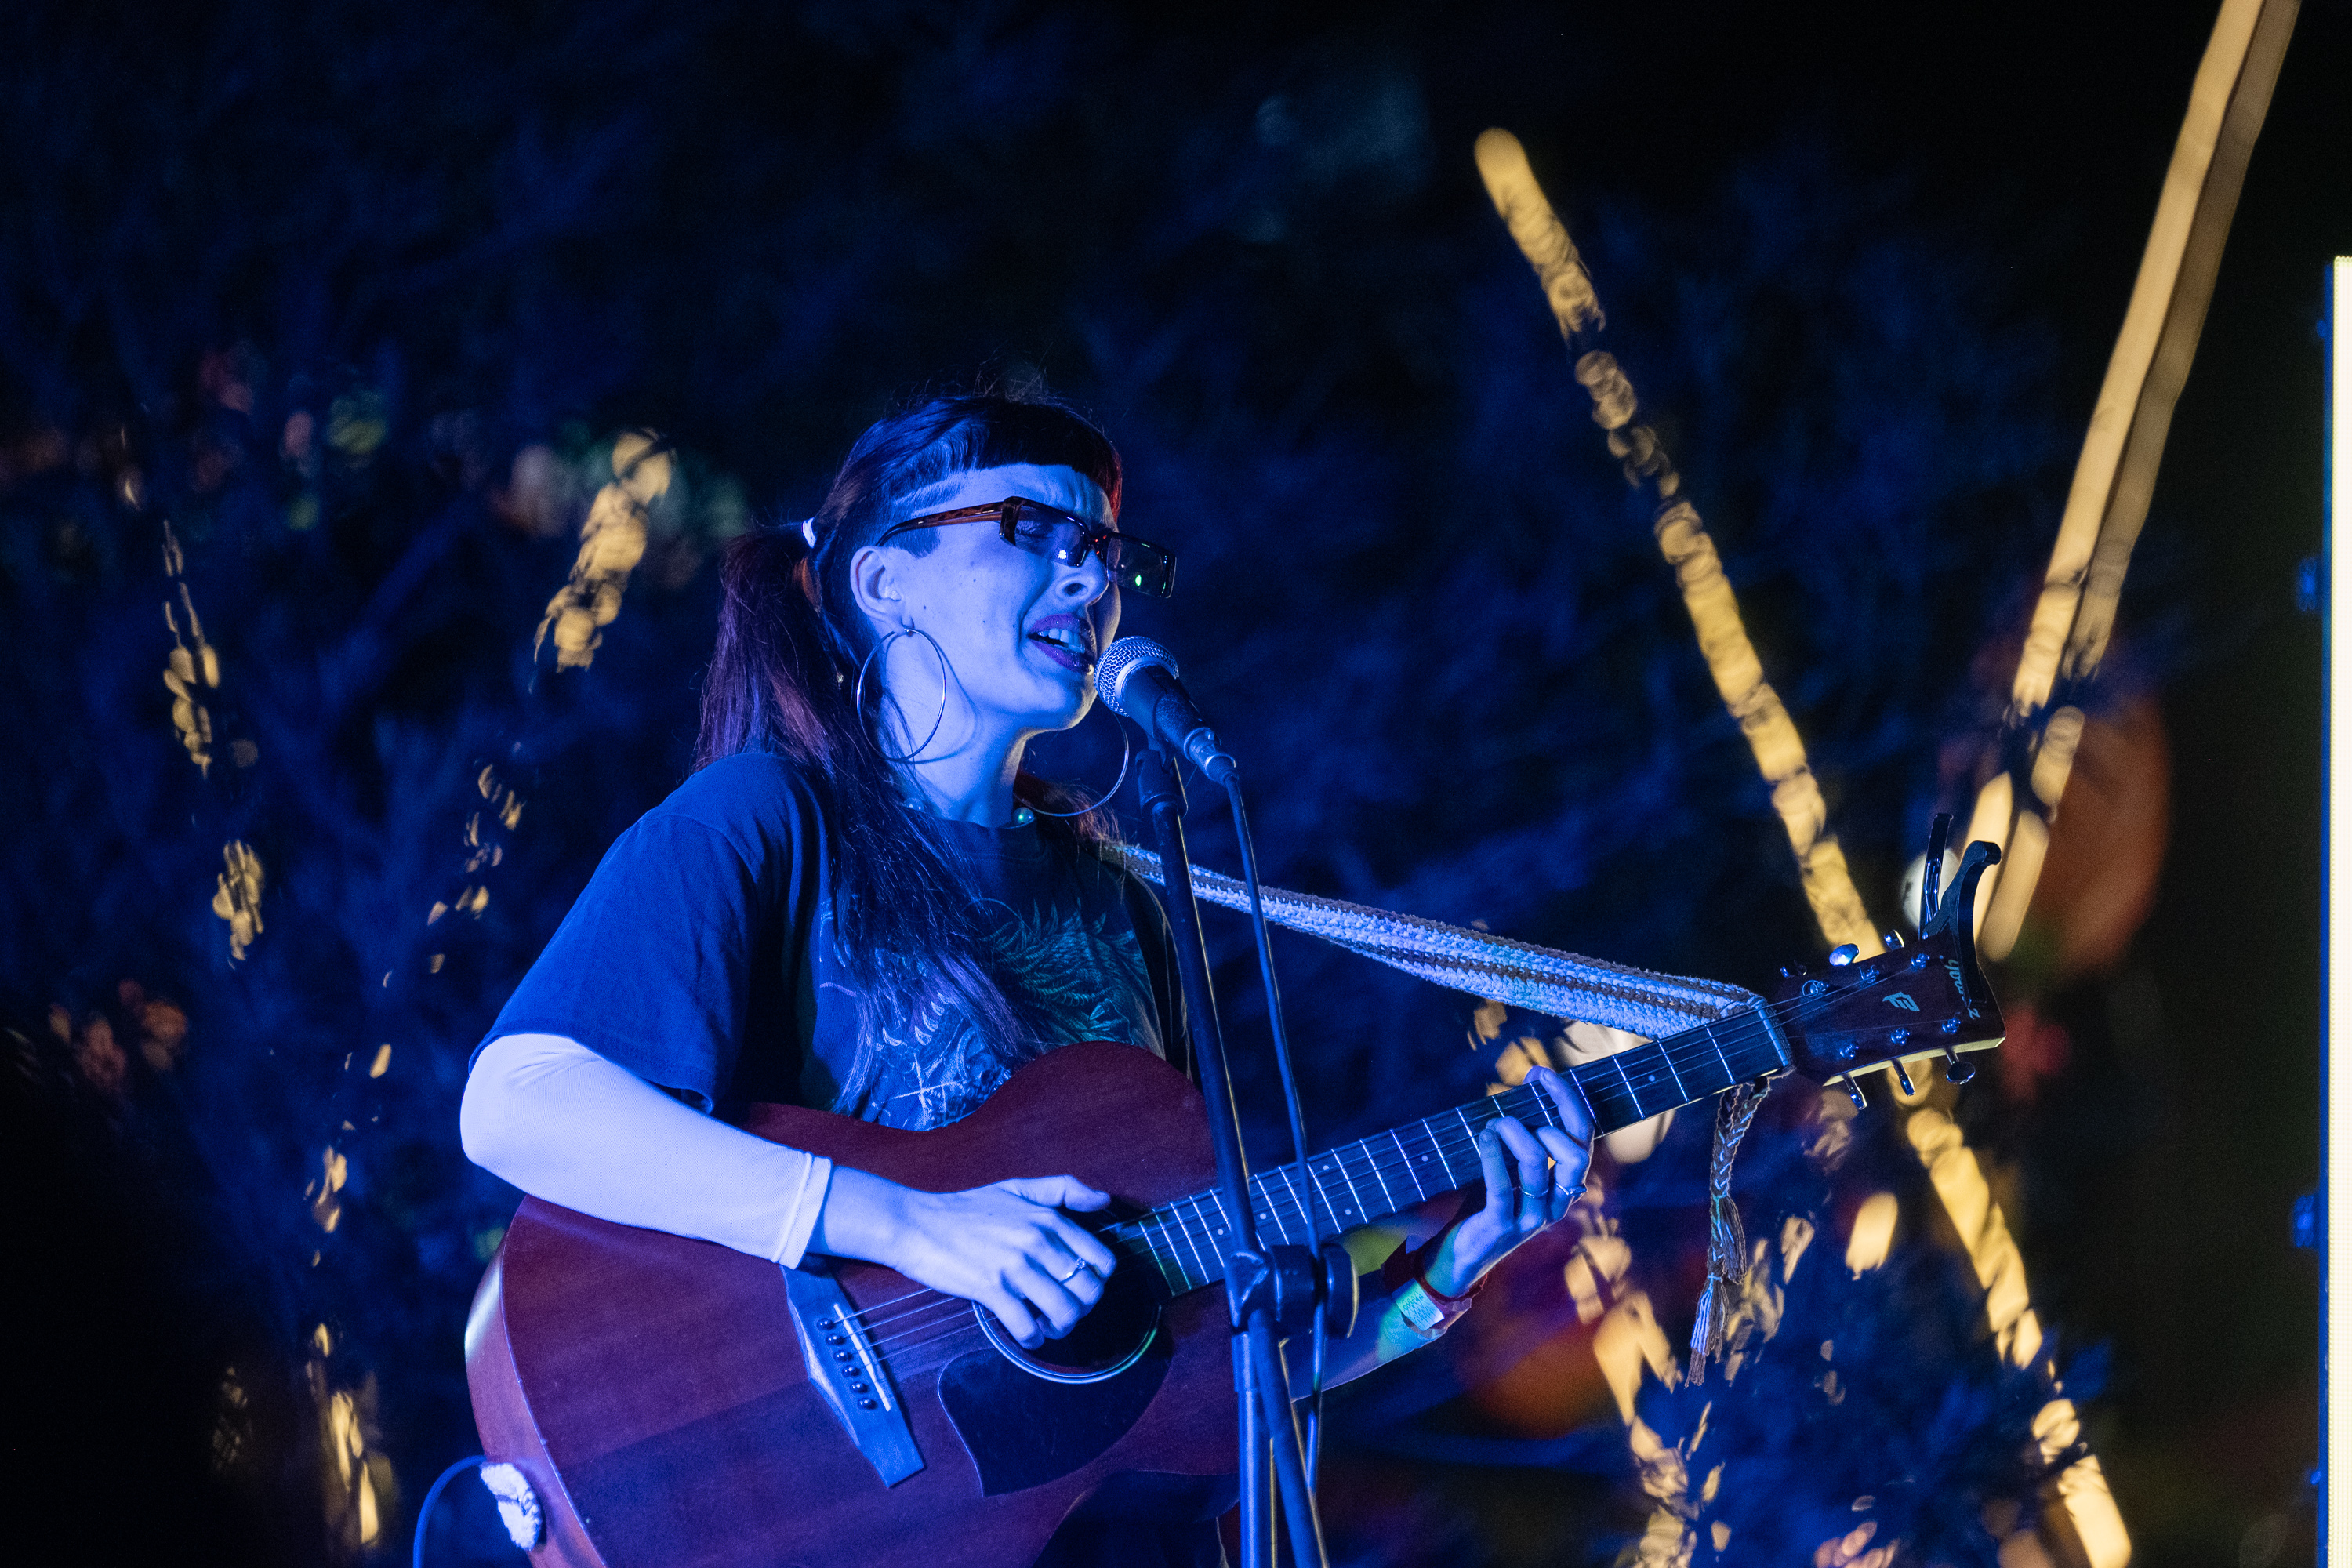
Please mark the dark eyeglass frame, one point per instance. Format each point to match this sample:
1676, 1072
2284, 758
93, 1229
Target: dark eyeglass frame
1136, 564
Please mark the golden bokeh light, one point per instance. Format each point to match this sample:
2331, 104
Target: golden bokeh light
237, 896
193, 667
2115, 476
1683, 540
612, 542
1873, 1232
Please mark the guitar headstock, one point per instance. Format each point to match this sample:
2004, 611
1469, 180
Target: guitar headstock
1908, 1004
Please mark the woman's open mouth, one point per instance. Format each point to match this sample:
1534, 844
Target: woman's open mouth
1067, 640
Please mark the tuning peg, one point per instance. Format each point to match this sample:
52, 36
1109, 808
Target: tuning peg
1893, 938
1853, 1090
1904, 1078
1956, 1072
1844, 954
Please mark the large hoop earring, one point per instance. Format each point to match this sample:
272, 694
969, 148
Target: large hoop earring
1126, 760
947, 673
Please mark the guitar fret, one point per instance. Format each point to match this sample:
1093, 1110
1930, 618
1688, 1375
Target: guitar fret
1668, 1057
1162, 1247
1219, 1224
1388, 1198
1421, 1193
1171, 1272
1341, 1166
1618, 1061
1721, 1059
1184, 1233
1174, 1281
1305, 1215
1462, 1178
1428, 1128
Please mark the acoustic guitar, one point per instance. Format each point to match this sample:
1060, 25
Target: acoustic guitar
677, 1403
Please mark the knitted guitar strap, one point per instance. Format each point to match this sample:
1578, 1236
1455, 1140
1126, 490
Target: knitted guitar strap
1539, 979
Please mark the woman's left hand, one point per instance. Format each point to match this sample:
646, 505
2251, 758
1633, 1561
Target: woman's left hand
1532, 1178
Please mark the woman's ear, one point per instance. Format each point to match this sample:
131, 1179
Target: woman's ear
875, 587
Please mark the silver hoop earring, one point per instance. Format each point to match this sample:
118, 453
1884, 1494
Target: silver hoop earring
947, 672
1126, 760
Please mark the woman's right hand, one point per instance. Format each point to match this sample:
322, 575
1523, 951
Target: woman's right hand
1007, 1245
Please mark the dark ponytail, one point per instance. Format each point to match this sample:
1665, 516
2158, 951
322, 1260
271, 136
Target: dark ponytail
781, 679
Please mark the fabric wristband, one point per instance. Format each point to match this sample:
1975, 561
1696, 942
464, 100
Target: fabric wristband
1427, 1313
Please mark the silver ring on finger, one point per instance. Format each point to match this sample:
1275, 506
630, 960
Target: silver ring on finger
1064, 1279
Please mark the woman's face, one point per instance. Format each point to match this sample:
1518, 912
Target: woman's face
1020, 632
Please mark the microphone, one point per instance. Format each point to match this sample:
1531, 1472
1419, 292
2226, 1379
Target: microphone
1135, 678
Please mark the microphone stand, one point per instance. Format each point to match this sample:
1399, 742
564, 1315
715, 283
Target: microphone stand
1261, 1290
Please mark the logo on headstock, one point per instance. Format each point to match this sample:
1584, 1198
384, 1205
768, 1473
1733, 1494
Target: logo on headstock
1898, 999
1961, 987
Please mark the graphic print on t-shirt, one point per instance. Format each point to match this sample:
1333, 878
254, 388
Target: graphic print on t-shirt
1064, 971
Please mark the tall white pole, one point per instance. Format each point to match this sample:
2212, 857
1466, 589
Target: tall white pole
2335, 1350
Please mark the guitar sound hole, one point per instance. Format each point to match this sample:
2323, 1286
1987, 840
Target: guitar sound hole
1108, 1340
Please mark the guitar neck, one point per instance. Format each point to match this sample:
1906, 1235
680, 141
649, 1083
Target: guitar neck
1391, 1171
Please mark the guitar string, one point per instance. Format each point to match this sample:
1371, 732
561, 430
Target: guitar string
865, 1315
1282, 1210
939, 1330
1462, 1139
1377, 1167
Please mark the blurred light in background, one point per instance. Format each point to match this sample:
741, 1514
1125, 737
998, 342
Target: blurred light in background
1683, 540
612, 542
1873, 1232
2115, 475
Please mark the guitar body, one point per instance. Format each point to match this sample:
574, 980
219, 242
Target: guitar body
657, 1396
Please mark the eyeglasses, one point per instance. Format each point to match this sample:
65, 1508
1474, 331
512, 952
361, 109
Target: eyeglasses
1133, 563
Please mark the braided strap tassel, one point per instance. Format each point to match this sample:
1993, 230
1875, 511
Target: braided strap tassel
1539, 979
1726, 1240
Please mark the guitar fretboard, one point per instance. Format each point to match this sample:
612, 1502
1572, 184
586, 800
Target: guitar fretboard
1389, 1172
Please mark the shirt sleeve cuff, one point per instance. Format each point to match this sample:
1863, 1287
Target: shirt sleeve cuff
802, 1209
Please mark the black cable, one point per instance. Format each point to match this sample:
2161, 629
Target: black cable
432, 1496
1291, 1102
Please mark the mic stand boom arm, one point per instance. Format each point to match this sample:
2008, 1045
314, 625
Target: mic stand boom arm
1251, 1285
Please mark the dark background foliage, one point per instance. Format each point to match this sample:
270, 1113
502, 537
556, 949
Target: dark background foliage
353, 300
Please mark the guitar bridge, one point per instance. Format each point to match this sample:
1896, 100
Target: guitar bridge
843, 1367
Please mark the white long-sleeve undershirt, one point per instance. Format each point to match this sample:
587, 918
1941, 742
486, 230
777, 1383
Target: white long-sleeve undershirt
553, 1118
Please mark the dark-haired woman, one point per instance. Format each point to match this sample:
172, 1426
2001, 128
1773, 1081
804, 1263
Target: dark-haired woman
860, 902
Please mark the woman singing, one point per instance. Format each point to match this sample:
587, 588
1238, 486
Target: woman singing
860, 902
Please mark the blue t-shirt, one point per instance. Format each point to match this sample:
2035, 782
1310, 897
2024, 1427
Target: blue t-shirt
701, 957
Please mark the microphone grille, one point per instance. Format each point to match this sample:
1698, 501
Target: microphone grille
1126, 653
